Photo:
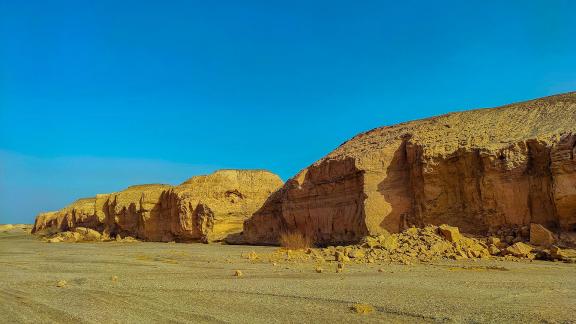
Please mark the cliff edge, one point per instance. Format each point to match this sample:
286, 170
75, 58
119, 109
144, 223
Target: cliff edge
479, 170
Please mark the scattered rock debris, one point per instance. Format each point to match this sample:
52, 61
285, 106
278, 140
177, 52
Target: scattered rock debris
83, 234
419, 245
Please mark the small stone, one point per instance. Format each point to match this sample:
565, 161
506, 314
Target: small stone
493, 250
362, 309
405, 262
114, 278
356, 254
57, 239
341, 257
413, 231
319, 270
62, 284
69, 237
238, 273
474, 254
440, 247
252, 256
105, 235
371, 242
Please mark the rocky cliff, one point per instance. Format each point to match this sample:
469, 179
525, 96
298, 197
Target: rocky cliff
204, 208
478, 170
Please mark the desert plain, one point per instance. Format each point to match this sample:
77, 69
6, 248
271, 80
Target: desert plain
150, 282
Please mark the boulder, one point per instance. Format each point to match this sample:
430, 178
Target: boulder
476, 170
567, 255
540, 235
520, 250
451, 233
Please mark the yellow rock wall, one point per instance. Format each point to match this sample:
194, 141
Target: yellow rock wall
204, 208
478, 170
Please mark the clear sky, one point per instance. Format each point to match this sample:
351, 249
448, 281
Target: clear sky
99, 95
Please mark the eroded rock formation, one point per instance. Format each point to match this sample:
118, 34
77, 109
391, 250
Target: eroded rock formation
204, 208
478, 170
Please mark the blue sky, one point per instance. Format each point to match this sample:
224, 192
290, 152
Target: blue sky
98, 95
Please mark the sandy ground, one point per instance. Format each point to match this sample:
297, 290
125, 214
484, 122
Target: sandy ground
194, 283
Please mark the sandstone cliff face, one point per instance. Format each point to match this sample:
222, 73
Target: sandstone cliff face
78, 214
204, 208
477, 170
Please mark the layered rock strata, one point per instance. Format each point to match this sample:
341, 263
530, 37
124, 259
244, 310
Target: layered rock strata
204, 208
479, 170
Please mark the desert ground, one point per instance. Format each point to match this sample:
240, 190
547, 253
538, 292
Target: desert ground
195, 283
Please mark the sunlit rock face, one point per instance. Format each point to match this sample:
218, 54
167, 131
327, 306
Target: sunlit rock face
204, 208
477, 170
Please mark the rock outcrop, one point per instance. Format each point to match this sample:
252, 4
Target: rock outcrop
478, 170
204, 208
